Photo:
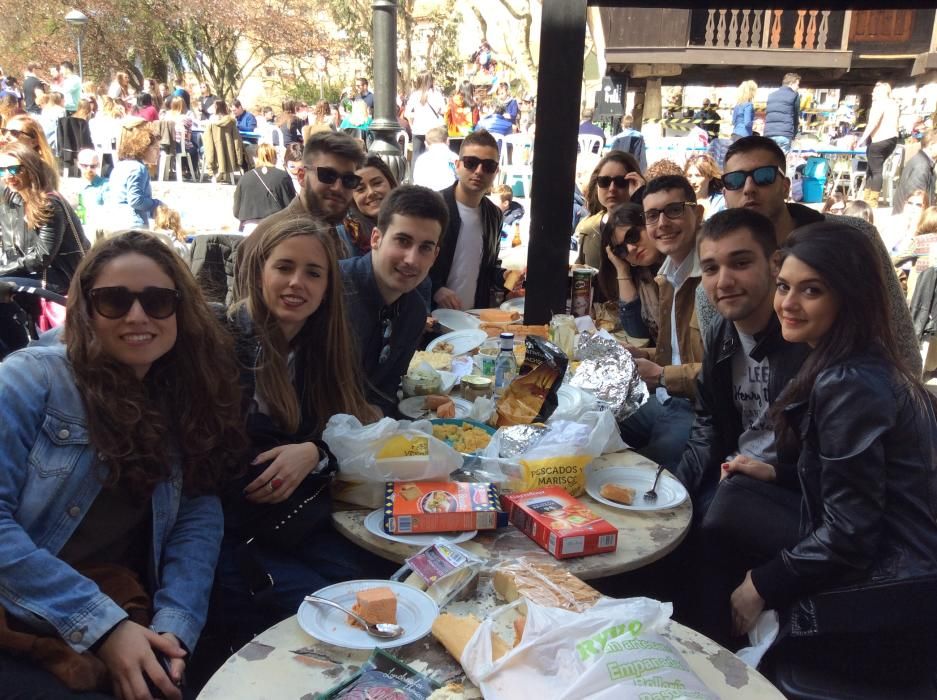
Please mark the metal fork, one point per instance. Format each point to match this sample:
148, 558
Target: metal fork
651, 495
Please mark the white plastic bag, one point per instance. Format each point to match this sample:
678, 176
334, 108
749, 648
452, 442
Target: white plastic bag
613, 650
388, 450
559, 457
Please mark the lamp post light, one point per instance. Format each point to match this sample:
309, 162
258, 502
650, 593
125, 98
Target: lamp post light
385, 125
76, 20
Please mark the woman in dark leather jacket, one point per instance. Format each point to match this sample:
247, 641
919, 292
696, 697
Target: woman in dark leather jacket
39, 243
860, 585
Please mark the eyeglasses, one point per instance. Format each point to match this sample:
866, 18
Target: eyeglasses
10, 170
116, 302
763, 176
632, 237
15, 133
489, 165
672, 211
605, 181
328, 176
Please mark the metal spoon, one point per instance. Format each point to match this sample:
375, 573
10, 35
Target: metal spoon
382, 630
651, 495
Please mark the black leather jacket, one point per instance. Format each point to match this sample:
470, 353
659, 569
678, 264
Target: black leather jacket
868, 470
52, 248
718, 426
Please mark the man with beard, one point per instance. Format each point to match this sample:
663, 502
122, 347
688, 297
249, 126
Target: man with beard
386, 312
327, 181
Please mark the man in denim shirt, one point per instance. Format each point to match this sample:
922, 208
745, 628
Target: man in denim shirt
386, 311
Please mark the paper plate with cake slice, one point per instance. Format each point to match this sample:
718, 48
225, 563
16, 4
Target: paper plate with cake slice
374, 523
377, 601
613, 486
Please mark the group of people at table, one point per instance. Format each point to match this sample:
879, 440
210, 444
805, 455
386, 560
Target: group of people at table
786, 396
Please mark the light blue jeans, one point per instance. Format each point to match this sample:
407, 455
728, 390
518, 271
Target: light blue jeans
783, 142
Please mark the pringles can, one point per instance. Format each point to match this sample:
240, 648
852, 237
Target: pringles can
581, 297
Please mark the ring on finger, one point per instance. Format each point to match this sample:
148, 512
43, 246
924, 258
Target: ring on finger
276, 483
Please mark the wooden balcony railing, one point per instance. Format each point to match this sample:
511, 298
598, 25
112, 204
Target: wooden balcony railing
761, 29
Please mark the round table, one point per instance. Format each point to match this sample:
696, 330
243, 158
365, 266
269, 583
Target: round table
284, 663
643, 536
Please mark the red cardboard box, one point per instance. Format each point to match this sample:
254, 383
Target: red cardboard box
413, 507
559, 523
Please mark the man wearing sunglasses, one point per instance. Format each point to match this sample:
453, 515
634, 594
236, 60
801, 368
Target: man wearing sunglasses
385, 309
465, 273
327, 181
659, 430
754, 178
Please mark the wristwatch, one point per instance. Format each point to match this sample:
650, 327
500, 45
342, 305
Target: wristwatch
660, 380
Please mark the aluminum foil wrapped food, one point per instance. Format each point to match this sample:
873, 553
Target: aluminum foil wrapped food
609, 372
516, 439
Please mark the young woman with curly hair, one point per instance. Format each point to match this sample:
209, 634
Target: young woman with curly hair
130, 197
299, 368
704, 174
41, 239
117, 440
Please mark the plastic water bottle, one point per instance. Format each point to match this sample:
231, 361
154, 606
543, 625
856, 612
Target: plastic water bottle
505, 364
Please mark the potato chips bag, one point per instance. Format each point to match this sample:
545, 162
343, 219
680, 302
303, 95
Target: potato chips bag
531, 397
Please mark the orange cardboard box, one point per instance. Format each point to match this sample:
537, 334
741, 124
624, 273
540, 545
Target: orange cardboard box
559, 523
413, 507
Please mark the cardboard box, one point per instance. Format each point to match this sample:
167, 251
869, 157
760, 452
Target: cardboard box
559, 523
414, 507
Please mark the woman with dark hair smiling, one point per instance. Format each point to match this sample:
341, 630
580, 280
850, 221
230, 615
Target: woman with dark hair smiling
116, 441
859, 590
376, 183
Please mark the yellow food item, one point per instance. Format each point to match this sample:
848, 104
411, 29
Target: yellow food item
545, 583
463, 438
498, 316
403, 446
375, 605
519, 623
454, 632
436, 360
617, 493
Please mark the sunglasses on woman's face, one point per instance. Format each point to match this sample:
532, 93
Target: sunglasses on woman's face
763, 176
10, 170
631, 238
116, 302
15, 133
489, 166
328, 176
605, 181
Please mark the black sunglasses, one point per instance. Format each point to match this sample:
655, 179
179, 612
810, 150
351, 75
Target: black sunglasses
605, 181
328, 176
116, 302
15, 133
10, 170
765, 175
489, 165
672, 211
632, 237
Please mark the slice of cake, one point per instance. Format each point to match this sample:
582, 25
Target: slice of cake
375, 605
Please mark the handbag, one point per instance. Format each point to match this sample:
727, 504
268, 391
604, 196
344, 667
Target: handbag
52, 314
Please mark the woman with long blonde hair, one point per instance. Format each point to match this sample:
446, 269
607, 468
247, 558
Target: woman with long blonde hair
743, 114
425, 110
42, 239
298, 368
26, 130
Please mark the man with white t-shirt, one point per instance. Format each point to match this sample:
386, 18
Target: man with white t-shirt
466, 271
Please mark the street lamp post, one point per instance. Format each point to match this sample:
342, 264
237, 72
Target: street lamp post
384, 125
76, 20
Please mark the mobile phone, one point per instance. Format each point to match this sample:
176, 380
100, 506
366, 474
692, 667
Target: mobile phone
164, 662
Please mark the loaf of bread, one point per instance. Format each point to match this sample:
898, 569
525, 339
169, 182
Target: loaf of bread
617, 493
498, 316
543, 582
454, 632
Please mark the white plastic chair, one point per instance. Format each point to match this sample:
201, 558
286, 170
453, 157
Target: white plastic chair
589, 143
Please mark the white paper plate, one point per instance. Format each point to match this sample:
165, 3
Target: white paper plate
456, 320
413, 408
568, 400
415, 613
462, 341
670, 492
374, 523
516, 304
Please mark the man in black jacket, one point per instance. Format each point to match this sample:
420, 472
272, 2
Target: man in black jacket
918, 173
465, 272
30, 83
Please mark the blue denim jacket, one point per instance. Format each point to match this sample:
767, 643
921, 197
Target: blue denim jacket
47, 484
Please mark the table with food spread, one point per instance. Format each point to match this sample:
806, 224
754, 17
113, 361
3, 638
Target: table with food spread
506, 488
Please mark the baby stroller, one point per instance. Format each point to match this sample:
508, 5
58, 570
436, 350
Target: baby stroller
19, 314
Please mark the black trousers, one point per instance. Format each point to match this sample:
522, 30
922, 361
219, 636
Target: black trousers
21, 679
877, 153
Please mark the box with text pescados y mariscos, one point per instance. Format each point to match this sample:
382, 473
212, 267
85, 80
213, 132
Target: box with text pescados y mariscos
559, 523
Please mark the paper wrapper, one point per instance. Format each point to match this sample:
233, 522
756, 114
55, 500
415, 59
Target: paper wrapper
608, 371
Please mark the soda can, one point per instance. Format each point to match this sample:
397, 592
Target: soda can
581, 298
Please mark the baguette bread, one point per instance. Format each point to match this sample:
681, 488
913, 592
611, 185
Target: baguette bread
498, 316
454, 632
617, 493
545, 583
